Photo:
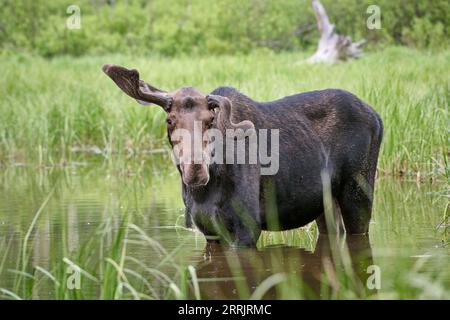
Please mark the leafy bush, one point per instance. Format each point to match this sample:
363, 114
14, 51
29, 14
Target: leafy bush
423, 33
171, 27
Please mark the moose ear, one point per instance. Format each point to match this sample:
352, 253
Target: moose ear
214, 101
129, 82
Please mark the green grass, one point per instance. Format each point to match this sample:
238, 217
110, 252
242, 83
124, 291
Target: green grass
51, 107
48, 107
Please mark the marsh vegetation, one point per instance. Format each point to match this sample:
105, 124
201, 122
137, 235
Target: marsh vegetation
86, 183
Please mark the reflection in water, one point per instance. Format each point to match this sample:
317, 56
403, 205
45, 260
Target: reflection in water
227, 273
88, 207
72, 228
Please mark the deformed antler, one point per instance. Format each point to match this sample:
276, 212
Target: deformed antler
129, 82
224, 121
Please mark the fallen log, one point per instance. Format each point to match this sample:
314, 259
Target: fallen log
332, 46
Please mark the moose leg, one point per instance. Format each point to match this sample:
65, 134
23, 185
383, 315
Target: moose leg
246, 221
234, 225
338, 226
356, 205
187, 211
356, 195
321, 224
246, 237
187, 218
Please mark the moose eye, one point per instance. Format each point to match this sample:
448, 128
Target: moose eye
169, 121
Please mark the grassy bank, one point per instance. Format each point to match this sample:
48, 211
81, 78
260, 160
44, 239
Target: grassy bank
53, 111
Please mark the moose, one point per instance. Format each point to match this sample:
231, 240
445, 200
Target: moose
328, 143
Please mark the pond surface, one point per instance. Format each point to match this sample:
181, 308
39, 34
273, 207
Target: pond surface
77, 211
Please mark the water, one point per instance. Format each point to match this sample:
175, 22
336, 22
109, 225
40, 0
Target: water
88, 204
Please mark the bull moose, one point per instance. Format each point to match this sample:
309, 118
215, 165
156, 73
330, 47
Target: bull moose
327, 131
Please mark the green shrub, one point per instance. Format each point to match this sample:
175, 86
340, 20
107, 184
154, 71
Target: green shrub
424, 34
172, 27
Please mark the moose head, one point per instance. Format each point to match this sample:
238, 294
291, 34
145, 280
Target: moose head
187, 110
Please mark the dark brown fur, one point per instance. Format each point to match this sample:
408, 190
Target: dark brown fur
329, 131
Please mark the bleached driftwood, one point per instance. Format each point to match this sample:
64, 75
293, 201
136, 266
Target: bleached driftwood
332, 46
